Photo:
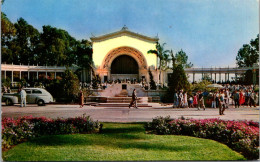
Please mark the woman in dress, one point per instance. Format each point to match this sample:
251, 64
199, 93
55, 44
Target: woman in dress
241, 98
195, 100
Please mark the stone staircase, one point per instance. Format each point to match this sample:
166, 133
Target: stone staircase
115, 96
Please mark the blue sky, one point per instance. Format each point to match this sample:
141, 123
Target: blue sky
209, 31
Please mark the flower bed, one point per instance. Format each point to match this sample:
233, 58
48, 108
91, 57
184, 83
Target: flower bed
15, 131
241, 136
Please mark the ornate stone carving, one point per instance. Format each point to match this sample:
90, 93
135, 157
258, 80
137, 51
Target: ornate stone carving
138, 56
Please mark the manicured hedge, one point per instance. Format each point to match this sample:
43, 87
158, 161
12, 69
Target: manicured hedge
241, 136
15, 131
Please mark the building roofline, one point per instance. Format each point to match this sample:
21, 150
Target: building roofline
122, 32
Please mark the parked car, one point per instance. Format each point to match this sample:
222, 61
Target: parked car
34, 95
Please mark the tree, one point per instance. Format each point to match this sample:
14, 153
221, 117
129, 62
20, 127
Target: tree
7, 33
248, 54
152, 83
25, 42
70, 84
56, 47
177, 81
206, 77
161, 54
182, 58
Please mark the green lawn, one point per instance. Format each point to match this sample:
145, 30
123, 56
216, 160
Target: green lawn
120, 142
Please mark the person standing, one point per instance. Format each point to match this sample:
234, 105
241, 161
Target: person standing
181, 99
81, 99
251, 99
195, 100
227, 95
185, 100
134, 100
190, 102
241, 98
176, 100
236, 99
221, 103
201, 101
213, 105
23, 97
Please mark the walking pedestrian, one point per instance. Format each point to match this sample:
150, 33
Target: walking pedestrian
134, 100
81, 99
201, 101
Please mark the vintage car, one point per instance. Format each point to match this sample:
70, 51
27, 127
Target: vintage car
34, 95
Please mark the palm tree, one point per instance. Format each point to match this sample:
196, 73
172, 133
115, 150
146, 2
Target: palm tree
162, 55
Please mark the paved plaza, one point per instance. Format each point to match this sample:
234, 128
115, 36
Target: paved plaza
124, 114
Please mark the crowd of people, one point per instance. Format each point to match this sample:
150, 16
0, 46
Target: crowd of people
237, 95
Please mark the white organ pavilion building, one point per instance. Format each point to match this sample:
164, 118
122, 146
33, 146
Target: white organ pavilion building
123, 55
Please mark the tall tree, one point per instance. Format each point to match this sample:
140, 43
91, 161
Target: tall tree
25, 41
161, 54
56, 47
182, 58
248, 54
7, 34
152, 83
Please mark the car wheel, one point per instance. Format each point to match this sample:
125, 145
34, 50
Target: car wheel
40, 103
9, 102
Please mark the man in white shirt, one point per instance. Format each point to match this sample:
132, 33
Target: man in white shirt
23, 97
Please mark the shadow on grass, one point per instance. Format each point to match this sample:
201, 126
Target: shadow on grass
119, 136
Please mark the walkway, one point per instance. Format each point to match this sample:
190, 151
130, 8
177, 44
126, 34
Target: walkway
108, 114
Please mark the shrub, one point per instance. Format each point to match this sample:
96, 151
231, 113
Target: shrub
241, 136
16, 131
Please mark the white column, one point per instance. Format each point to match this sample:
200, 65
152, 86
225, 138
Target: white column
12, 77
5, 74
20, 76
46, 75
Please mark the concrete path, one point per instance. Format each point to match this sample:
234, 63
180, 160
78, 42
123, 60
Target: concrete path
123, 114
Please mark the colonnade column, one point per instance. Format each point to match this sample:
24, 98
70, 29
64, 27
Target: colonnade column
225, 77
20, 75
219, 77
46, 75
12, 76
193, 77
211, 76
215, 77
5, 74
228, 76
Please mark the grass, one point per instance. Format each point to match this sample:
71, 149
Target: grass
120, 142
